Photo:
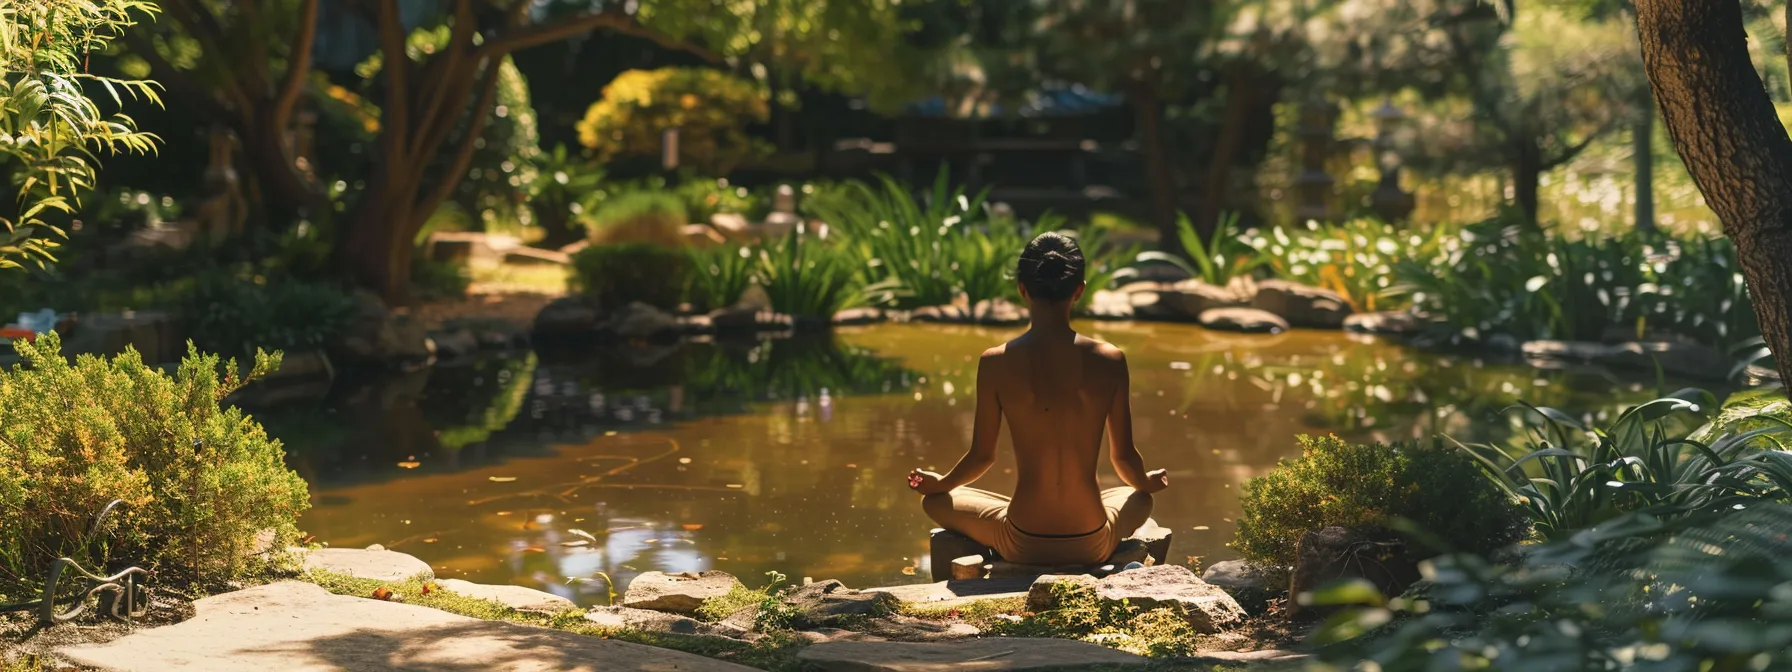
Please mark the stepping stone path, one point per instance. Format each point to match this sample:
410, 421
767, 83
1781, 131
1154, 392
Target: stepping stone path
375, 563
678, 593
515, 597
984, 655
299, 627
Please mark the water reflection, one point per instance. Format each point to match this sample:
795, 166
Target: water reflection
789, 455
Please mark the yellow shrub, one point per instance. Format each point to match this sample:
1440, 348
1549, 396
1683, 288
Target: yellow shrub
710, 109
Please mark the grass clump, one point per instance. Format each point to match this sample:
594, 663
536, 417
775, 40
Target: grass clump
773, 614
1082, 615
197, 481
1370, 486
640, 217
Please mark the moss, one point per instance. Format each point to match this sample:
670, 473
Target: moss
1746, 411
776, 651
717, 608
980, 613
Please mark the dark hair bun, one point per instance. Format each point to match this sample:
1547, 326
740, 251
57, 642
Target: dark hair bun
1051, 268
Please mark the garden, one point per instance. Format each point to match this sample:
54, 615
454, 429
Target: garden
456, 334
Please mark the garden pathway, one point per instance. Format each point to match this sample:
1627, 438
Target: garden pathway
300, 627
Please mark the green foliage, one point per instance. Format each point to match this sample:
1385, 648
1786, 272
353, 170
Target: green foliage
1104, 263
239, 313
1572, 477
935, 249
1501, 276
565, 194
1080, 614
1370, 487
641, 217
52, 128
1355, 259
1636, 593
806, 276
719, 275
439, 279
773, 613
198, 480
710, 109
509, 388
1224, 256
645, 272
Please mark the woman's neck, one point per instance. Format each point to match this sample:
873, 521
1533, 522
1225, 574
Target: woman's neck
1049, 320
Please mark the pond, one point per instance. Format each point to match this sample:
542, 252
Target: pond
791, 455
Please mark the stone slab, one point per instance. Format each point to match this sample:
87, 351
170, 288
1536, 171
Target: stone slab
376, 565
515, 597
299, 627
953, 594
984, 655
678, 593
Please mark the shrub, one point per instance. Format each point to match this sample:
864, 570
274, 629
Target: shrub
235, 314
935, 249
710, 108
805, 276
1369, 487
719, 275
641, 217
1571, 477
1216, 261
1356, 259
439, 279
1705, 592
198, 481
618, 274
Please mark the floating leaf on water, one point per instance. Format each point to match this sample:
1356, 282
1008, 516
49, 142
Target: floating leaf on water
1202, 528
651, 541
410, 465
736, 485
684, 460
908, 571
535, 549
692, 527
503, 513
583, 535
382, 593
575, 544
501, 479
431, 540
851, 465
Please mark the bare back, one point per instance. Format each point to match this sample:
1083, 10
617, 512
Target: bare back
1056, 397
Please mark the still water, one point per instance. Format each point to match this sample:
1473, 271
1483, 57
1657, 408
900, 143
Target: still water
791, 455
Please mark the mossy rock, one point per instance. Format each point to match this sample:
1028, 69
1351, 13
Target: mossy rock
1748, 410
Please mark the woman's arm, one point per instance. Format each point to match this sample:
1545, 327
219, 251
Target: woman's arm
1128, 463
982, 454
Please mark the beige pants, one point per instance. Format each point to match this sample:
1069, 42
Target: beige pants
983, 515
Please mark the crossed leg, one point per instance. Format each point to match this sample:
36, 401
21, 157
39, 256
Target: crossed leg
978, 514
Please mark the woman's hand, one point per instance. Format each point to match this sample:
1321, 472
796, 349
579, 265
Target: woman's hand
1157, 480
926, 482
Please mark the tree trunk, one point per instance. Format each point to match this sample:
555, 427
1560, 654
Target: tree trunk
1247, 88
1527, 171
1643, 158
285, 193
1726, 130
378, 247
1160, 180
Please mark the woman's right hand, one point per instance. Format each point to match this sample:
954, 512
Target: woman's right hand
1157, 480
925, 482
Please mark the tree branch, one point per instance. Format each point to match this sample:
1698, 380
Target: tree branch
561, 29
395, 112
204, 27
463, 156
440, 73
298, 65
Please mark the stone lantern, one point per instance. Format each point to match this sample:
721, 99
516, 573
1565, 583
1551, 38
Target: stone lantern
1389, 201
1313, 187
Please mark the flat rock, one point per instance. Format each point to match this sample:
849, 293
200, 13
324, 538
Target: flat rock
1301, 305
374, 564
1109, 305
1189, 298
1339, 553
1247, 320
1235, 575
981, 654
957, 594
1386, 323
677, 593
1206, 607
641, 321
299, 627
663, 623
515, 597
860, 316
829, 603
